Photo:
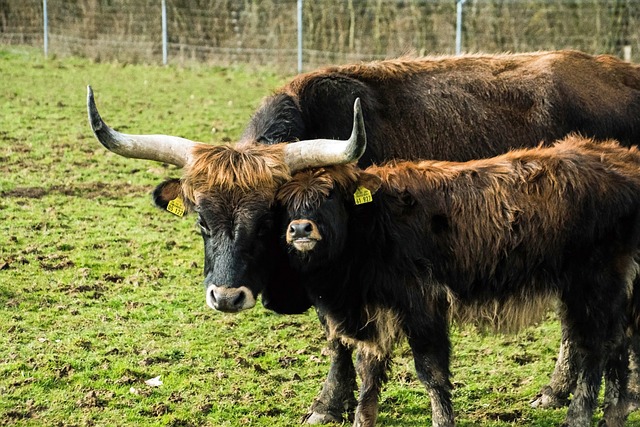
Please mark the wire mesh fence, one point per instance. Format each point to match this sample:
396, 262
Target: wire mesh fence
333, 31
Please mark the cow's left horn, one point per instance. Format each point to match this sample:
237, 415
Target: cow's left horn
162, 148
327, 152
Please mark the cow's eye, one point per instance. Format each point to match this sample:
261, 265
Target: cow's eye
203, 226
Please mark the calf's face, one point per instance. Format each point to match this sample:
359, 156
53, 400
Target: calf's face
316, 207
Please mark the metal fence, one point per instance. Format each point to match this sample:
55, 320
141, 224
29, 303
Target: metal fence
291, 34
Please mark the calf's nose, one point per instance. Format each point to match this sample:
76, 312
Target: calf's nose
300, 228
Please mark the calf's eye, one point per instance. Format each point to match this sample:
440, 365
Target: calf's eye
264, 228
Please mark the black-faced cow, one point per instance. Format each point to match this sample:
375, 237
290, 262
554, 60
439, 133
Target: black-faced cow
449, 108
398, 250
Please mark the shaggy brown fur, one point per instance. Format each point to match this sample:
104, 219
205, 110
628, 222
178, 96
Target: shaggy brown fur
313, 185
248, 169
469, 106
571, 65
494, 204
388, 332
487, 241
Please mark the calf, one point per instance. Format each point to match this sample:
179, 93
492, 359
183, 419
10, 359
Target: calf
396, 251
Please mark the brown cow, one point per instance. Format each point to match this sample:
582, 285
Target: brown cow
453, 108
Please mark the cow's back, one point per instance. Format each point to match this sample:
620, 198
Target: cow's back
460, 108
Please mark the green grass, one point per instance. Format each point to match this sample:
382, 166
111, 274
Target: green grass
100, 291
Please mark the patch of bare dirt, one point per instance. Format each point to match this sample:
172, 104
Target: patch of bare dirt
85, 191
27, 410
54, 262
95, 399
507, 416
25, 193
11, 261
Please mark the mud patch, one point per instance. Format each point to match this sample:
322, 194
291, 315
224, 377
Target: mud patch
12, 261
25, 193
27, 410
97, 288
507, 417
94, 399
16, 147
85, 191
54, 262
113, 278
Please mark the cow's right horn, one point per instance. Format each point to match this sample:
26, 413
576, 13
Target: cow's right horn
162, 148
327, 152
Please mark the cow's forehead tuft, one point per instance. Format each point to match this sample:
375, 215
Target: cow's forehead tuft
259, 169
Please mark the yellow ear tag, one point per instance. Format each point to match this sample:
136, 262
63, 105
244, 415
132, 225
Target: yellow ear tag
362, 195
176, 206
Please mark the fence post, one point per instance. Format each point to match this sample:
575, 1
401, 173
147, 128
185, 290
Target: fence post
300, 36
46, 28
164, 32
459, 4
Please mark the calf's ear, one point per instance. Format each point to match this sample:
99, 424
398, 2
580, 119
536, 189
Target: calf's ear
369, 181
170, 192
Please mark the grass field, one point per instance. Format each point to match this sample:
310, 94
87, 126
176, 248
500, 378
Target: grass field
100, 291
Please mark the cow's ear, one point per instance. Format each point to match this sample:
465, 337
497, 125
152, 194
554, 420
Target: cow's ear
170, 191
369, 181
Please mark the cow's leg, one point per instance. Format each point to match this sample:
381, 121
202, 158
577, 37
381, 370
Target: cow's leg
634, 374
562, 382
616, 377
595, 320
634, 345
584, 401
373, 372
431, 353
563, 378
337, 395
564, 375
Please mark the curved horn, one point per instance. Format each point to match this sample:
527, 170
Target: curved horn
327, 152
162, 148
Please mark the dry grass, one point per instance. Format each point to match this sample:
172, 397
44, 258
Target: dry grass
229, 32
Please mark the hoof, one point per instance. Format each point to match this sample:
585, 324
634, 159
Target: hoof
547, 400
318, 418
611, 423
634, 404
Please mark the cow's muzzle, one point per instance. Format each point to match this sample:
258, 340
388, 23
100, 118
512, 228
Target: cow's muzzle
230, 299
303, 234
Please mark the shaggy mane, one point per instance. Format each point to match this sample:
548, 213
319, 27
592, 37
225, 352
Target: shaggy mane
250, 168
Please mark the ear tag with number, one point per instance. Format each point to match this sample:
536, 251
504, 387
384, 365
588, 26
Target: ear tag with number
362, 195
176, 206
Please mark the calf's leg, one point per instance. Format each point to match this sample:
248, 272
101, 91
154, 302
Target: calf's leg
431, 353
337, 395
373, 372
